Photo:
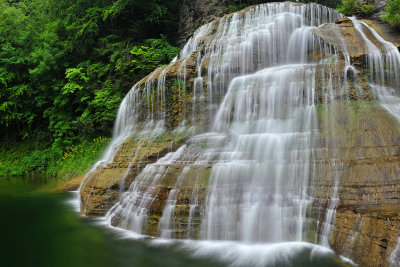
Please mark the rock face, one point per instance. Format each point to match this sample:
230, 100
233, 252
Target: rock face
388, 32
195, 13
103, 186
367, 233
354, 162
333, 34
367, 224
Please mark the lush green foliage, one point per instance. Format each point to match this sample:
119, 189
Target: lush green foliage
392, 12
20, 160
348, 7
78, 159
36, 163
11, 156
65, 65
154, 53
352, 7
368, 9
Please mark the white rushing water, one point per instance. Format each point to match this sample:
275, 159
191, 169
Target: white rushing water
262, 83
260, 144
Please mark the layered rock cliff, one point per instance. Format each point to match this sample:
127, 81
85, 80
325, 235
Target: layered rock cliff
352, 149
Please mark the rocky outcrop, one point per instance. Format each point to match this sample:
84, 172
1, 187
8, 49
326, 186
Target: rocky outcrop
103, 186
367, 155
388, 32
367, 233
195, 13
333, 33
194, 186
73, 184
356, 153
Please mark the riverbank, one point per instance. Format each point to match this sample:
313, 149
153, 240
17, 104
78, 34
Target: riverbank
39, 159
60, 185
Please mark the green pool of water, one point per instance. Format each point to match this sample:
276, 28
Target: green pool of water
40, 228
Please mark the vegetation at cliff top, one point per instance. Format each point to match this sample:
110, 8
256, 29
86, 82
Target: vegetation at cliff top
392, 12
352, 7
348, 7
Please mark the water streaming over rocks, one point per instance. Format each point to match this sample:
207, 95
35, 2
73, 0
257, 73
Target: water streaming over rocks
261, 135
257, 98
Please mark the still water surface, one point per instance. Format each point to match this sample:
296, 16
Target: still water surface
40, 228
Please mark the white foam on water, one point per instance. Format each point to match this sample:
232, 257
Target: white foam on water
257, 255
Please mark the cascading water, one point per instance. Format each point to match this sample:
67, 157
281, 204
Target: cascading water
263, 77
262, 177
260, 153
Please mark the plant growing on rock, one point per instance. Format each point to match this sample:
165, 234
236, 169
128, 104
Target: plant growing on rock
392, 12
368, 10
237, 5
348, 7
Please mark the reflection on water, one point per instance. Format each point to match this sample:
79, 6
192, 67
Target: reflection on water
39, 228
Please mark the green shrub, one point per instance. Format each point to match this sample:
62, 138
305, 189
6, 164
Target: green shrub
11, 155
36, 163
392, 12
30, 158
235, 8
368, 9
154, 53
348, 7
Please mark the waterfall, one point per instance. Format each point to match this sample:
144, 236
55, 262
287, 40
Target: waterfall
259, 145
269, 88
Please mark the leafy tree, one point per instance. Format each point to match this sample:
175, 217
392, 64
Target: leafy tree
66, 65
154, 53
16, 115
